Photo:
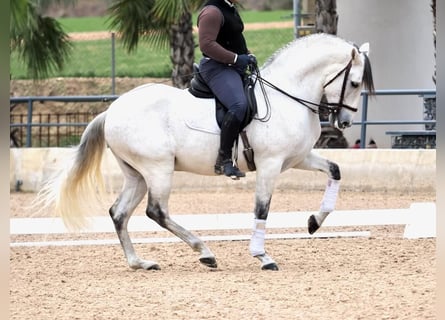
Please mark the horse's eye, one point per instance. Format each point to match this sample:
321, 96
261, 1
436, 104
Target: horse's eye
355, 84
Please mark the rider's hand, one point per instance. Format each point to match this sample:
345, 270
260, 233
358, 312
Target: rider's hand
253, 60
243, 60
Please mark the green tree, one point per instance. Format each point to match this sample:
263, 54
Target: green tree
160, 23
40, 41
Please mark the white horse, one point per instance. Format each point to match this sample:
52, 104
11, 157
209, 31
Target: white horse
155, 130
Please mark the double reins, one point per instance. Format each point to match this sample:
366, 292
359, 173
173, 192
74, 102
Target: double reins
328, 107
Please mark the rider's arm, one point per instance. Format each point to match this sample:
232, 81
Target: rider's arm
210, 21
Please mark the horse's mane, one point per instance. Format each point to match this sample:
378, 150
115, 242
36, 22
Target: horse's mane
368, 81
367, 77
277, 53
299, 41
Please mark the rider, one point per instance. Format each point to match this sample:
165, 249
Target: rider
224, 63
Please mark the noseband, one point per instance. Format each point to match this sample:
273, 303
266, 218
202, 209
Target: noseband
328, 107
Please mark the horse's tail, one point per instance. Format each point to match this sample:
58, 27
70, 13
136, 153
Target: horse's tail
77, 188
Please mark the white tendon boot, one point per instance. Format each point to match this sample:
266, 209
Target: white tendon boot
330, 196
326, 207
257, 241
257, 246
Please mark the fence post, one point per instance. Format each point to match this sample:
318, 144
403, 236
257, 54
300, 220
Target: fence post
113, 63
28, 124
297, 17
364, 119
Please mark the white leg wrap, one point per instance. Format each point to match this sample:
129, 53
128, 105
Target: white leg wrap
330, 196
257, 241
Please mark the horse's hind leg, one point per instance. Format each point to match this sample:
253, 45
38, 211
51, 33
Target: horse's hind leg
315, 162
157, 210
132, 193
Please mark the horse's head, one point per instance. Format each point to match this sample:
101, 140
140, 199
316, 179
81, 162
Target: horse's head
342, 89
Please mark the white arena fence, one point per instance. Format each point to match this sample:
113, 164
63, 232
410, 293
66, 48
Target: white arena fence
405, 170
419, 221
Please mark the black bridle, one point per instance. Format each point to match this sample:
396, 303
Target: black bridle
327, 107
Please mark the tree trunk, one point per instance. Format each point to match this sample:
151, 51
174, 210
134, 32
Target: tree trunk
429, 103
326, 19
433, 9
182, 51
326, 16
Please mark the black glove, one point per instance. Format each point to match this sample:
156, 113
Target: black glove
245, 59
253, 60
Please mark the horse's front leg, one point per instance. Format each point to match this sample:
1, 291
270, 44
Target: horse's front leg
265, 183
315, 162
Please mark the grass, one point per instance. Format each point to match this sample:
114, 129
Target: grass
93, 58
86, 24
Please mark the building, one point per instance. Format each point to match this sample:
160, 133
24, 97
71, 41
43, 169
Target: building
400, 33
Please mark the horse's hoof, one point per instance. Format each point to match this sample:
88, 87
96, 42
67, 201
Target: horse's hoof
267, 263
209, 262
145, 265
271, 266
154, 267
312, 224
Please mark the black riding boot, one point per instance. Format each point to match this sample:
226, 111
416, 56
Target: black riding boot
229, 133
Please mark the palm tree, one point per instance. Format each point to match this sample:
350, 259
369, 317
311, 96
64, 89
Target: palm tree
326, 19
433, 9
326, 16
40, 41
429, 103
160, 23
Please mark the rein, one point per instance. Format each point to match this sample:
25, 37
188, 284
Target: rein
329, 107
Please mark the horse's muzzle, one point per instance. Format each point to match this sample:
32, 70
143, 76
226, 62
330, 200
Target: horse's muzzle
341, 119
344, 124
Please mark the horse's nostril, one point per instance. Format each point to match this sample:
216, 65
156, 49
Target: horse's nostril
345, 124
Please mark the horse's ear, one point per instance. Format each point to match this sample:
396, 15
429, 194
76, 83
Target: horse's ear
354, 53
364, 48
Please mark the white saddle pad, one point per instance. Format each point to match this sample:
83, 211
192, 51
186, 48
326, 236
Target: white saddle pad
201, 116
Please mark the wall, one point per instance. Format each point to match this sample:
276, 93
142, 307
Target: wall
400, 35
366, 170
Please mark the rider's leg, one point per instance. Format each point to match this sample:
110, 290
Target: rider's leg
226, 84
229, 132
